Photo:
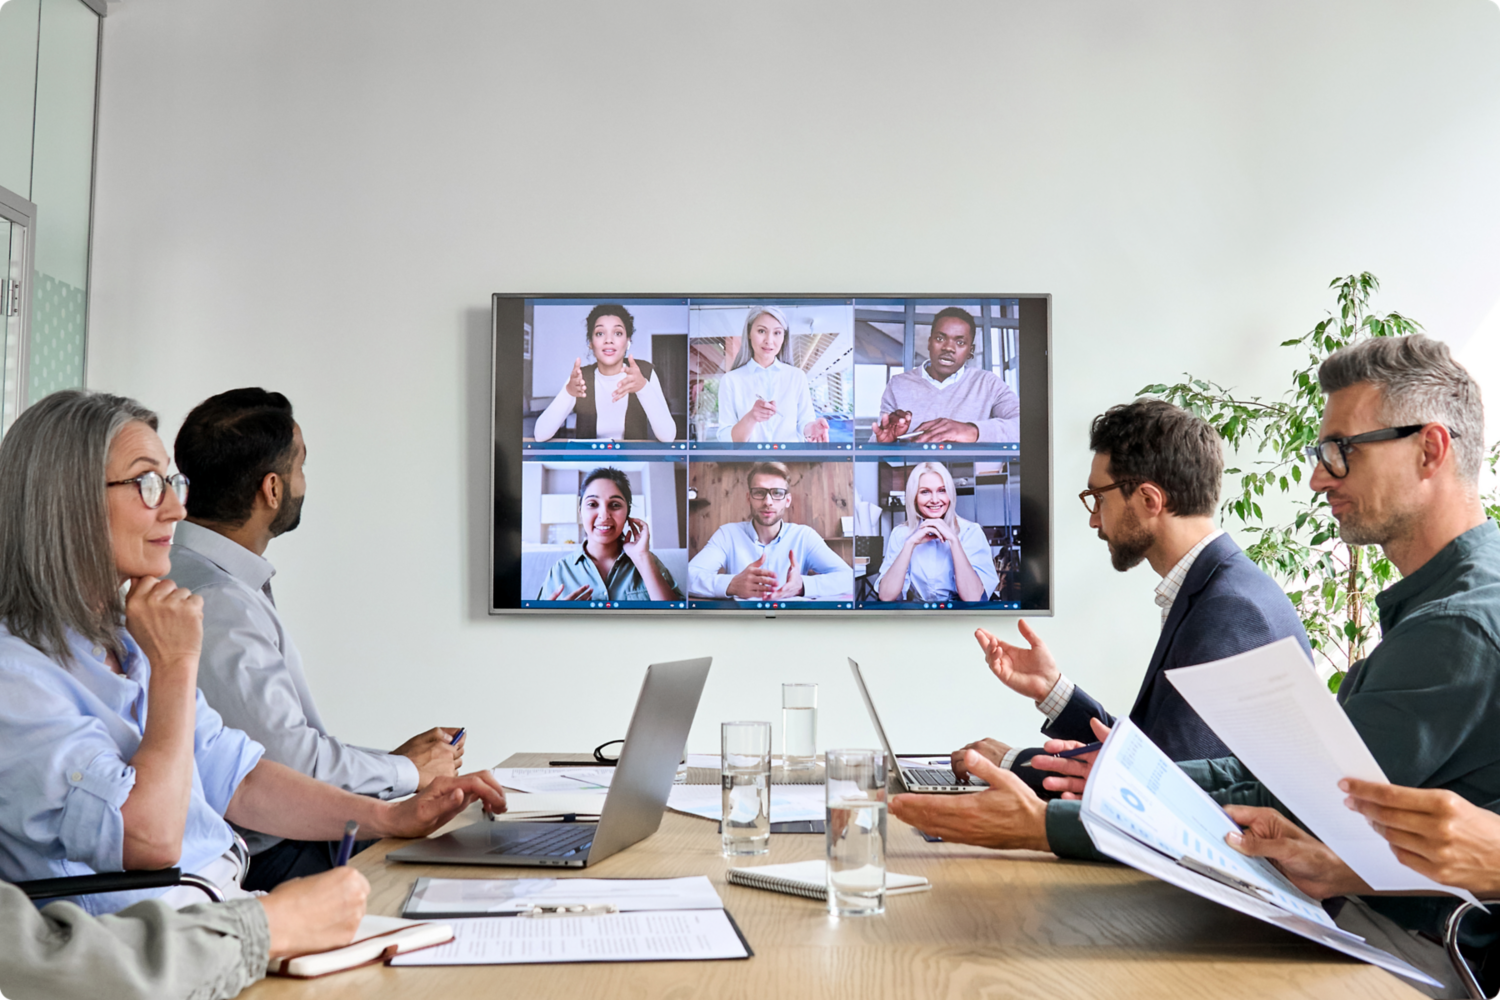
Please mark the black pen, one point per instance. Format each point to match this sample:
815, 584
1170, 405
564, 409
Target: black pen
1077, 751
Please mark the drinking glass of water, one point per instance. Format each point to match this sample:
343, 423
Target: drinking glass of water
856, 832
799, 726
745, 773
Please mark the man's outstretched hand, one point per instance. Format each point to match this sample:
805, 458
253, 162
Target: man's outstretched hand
1007, 815
1027, 671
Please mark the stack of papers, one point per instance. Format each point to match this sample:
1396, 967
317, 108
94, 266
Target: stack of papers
442, 898
1141, 809
789, 803
551, 805
554, 779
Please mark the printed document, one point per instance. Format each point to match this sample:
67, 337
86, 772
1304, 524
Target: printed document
1270, 708
1141, 809
665, 935
789, 803
478, 897
554, 779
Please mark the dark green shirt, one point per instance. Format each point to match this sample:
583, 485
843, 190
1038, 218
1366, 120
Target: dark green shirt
1426, 702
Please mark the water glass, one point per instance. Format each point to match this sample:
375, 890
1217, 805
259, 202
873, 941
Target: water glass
745, 773
856, 832
799, 726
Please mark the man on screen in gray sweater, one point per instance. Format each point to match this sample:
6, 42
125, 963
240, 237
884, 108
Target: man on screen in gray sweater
944, 401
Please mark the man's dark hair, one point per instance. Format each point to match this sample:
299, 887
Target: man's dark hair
1152, 440
227, 446
615, 476
954, 312
608, 309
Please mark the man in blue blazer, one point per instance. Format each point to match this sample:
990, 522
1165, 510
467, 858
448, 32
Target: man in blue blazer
1153, 489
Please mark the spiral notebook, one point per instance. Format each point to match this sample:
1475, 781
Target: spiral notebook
810, 879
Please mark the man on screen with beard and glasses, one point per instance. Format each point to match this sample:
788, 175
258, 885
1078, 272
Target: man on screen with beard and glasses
945, 401
768, 558
243, 453
1152, 490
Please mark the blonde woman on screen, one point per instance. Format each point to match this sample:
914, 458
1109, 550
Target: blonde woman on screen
762, 397
936, 555
617, 398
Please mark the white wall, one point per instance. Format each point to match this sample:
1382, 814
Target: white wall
320, 197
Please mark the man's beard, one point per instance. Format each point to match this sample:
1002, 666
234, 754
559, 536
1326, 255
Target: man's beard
1130, 544
1355, 530
288, 517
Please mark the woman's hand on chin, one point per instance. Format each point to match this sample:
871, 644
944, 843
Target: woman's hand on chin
167, 621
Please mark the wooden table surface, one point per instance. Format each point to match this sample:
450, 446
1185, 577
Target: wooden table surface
996, 925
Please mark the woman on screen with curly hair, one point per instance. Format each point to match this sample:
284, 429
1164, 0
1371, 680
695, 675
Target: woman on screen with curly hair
617, 398
936, 555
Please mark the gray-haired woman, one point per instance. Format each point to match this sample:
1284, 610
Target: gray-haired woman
109, 756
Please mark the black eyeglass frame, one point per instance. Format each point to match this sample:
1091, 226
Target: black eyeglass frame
176, 480
769, 491
1314, 452
1116, 485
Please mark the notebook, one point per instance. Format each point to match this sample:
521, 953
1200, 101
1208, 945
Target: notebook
378, 939
810, 879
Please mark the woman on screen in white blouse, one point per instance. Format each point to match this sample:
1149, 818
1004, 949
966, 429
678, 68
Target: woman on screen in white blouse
936, 555
761, 397
617, 398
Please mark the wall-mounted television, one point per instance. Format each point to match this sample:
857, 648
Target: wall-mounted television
771, 454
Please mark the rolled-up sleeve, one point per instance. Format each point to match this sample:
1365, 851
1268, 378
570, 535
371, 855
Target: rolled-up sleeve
224, 756
63, 776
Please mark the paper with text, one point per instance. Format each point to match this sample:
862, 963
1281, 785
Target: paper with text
1270, 708
451, 897
667, 935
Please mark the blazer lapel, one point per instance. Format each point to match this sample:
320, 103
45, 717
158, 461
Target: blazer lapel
1208, 561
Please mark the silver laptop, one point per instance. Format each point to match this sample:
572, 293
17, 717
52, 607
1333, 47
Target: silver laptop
633, 808
925, 780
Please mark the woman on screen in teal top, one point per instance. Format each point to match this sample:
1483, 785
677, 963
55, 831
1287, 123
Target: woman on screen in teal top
615, 561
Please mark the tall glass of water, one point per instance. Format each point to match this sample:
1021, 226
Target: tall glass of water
745, 773
856, 832
799, 726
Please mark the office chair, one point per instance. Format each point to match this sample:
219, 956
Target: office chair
84, 885
1450, 941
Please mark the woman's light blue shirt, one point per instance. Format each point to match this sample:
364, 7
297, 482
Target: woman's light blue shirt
67, 735
930, 571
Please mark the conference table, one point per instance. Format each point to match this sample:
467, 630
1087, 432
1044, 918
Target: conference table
995, 925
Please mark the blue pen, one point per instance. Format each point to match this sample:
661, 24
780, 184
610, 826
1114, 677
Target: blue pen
1078, 751
458, 736
347, 847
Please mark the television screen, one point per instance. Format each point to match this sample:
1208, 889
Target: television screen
771, 454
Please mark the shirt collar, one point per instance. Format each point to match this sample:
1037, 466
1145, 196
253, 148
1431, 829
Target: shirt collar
1410, 591
945, 383
755, 537
230, 556
1166, 591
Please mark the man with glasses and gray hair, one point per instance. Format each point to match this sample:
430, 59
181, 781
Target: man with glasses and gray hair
1398, 458
768, 558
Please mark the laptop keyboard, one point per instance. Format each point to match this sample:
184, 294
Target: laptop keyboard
934, 776
550, 843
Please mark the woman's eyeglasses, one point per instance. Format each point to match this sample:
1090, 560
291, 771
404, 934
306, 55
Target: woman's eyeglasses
1090, 498
153, 487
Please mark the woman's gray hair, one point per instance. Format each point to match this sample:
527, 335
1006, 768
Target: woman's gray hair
746, 352
57, 565
1419, 383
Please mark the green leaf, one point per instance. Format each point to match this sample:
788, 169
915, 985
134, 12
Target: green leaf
1336, 680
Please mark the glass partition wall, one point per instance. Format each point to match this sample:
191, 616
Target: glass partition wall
49, 57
